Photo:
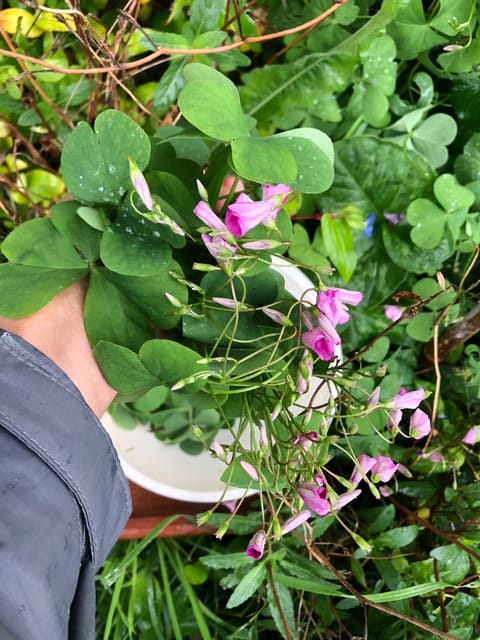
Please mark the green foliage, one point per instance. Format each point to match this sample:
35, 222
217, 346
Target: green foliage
392, 209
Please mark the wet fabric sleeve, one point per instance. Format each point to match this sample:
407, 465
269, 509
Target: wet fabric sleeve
63, 499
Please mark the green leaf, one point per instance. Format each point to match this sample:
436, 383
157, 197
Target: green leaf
453, 562
451, 195
337, 237
398, 537
95, 162
119, 321
313, 153
164, 40
232, 560
281, 601
433, 135
247, 586
404, 254
411, 32
37, 243
25, 289
376, 176
79, 234
252, 159
212, 104
204, 15
172, 362
420, 327
428, 223
134, 246
122, 368
95, 218
148, 295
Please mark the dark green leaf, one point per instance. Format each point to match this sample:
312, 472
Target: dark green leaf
25, 289
122, 368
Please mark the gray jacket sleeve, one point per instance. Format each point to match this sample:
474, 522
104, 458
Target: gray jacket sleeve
63, 499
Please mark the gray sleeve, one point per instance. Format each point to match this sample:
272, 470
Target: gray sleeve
64, 499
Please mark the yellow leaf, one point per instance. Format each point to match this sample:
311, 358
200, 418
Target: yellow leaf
19, 20
50, 22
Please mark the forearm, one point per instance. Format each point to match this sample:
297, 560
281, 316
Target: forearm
58, 331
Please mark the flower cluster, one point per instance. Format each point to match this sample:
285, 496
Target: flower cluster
331, 311
311, 336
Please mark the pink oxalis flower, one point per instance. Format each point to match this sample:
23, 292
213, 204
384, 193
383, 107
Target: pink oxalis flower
256, 545
332, 302
472, 436
393, 312
419, 424
140, 184
322, 338
407, 399
295, 521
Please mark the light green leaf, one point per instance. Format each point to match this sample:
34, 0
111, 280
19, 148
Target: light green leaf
420, 327
451, 195
95, 162
164, 40
95, 218
453, 562
398, 537
211, 103
252, 159
247, 586
337, 238
428, 223
313, 153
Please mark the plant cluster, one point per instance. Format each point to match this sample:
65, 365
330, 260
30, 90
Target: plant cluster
367, 112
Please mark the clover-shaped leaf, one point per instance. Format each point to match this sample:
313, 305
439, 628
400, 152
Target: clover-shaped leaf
95, 161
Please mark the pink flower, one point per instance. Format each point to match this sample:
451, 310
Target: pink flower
305, 440
314, 496
256, 545
373, 398
384, 469
295, 521
407, 399
332, 303
269, 191
345, 498
245, 214
393, 311
322, 339
366, 463
140, 184
217, 247
250, 469
208, 217
472, 436
394, 418
419, 424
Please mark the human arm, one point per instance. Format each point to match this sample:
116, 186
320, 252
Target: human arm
64, 499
